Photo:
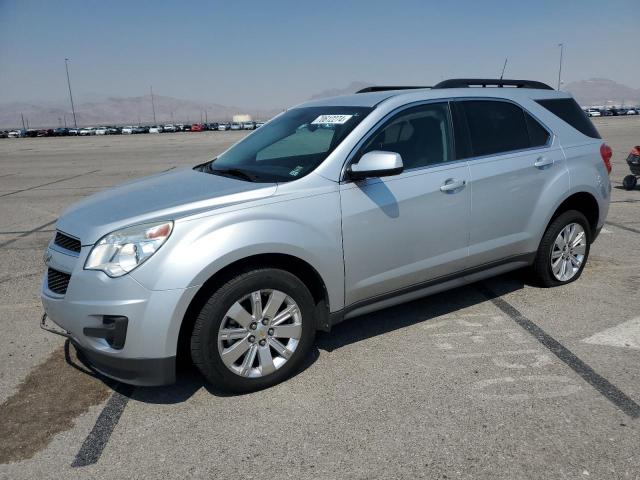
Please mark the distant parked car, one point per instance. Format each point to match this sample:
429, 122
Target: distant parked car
140, 129
102, 131
170, 128
223, 126
594, 112
128, 130
31, 133
74, 131
115, 130
632, 111
259, 124
248, 126
61, 132
212, 126
197, 127
87, 131
236, 126
14, 134
45, 132
156, 129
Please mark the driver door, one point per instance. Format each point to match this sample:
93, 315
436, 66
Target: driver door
402, 231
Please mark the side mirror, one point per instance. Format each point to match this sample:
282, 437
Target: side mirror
376, 164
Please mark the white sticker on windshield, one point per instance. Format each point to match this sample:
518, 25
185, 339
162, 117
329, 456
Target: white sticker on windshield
331, 119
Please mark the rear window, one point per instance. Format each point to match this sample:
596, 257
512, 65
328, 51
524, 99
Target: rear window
569, 111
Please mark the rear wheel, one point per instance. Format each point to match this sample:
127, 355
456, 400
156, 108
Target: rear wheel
563, 251
629, 182
254, 331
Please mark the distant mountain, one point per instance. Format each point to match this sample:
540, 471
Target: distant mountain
602, 91
353, 87
121, 111
137, 110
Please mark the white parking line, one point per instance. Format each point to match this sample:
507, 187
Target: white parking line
625, 335
541, 386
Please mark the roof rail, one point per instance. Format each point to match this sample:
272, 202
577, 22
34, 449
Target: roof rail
485, 82
384, 89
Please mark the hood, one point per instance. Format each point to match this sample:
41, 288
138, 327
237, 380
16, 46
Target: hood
164, 196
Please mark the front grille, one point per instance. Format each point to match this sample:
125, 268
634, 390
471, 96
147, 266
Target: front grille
67, 242
57, 281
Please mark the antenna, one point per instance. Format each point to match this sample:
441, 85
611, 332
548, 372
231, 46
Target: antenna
561, 45
503, 68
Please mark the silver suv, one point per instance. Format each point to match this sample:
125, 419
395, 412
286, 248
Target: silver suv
333, 209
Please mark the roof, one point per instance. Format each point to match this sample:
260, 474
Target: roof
374, 98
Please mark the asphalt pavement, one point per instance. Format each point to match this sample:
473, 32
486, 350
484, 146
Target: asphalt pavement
497, 380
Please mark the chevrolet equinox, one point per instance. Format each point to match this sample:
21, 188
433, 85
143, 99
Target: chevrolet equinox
333, 209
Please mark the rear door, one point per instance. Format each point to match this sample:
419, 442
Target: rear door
512, 162
403, 230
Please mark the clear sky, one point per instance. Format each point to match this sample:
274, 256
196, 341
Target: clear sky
265, 54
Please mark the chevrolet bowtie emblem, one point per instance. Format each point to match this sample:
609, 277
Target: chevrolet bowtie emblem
47, 257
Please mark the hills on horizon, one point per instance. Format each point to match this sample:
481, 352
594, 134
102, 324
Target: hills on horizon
122, 111
138, 110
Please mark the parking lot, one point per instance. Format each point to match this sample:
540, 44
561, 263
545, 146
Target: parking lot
498, 380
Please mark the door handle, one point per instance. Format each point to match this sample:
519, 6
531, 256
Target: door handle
451, 185
542, 162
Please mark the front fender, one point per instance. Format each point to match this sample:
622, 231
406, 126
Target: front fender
306, 228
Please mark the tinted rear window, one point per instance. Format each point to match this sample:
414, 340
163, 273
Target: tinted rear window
569, 111
495, 127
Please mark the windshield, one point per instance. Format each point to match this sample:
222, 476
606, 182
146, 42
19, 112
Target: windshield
290, 146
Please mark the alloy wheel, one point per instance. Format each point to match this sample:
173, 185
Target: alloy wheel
259, 333
568, 251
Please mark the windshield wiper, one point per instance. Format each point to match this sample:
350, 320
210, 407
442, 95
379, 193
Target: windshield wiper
233, 172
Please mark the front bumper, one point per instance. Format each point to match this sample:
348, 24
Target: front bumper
146, 353
134, 371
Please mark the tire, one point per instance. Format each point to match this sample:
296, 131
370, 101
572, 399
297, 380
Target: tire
207, 347
542, 270
629, 182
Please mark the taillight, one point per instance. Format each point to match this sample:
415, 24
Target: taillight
606, 154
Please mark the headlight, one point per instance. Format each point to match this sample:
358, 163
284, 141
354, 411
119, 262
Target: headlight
123, 250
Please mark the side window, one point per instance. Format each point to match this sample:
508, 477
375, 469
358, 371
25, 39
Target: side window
495, 127
421, 135
538, 136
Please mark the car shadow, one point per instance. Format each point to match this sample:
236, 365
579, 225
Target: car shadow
621, 187
424, 310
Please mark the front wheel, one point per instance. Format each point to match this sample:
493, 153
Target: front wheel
254, 331
629, 182
563, 250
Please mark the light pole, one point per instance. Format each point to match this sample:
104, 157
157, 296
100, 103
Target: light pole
561, 45
153, 105
66, 66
